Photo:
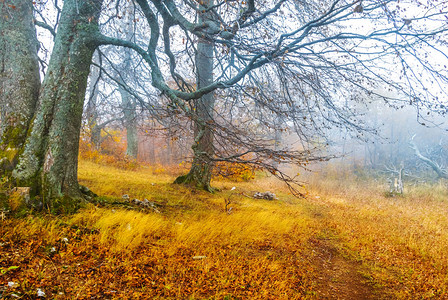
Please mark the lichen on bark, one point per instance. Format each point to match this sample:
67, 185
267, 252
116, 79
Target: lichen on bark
19, 78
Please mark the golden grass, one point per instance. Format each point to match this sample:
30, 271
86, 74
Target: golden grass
15, 199
110, 181
194, 249
121, 230
202, 220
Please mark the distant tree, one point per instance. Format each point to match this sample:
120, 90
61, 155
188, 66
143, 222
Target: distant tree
91, 111
130, 122
128, 102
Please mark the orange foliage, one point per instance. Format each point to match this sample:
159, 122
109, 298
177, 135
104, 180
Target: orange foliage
111, 151
233, 172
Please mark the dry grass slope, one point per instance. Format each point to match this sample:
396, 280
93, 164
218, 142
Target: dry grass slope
342, 242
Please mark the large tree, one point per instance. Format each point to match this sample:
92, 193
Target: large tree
19, 78
49, 160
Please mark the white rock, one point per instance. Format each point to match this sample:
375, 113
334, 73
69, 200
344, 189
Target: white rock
265, 195
40, 293
12, 284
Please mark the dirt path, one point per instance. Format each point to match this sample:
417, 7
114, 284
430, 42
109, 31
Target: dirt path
339, 277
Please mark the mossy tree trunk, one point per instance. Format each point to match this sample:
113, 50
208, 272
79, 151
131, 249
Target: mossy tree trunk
201, 169
19, 78
50, 159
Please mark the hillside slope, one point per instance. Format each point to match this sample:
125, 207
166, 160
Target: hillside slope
339, 243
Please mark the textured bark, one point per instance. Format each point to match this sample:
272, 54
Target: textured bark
201, 169
50, 159
19, 78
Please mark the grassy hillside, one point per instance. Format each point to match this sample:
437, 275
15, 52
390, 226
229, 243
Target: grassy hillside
344, 241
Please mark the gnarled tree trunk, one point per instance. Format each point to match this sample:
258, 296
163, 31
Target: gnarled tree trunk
201, 168
19, 78
50, 160
441, 173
